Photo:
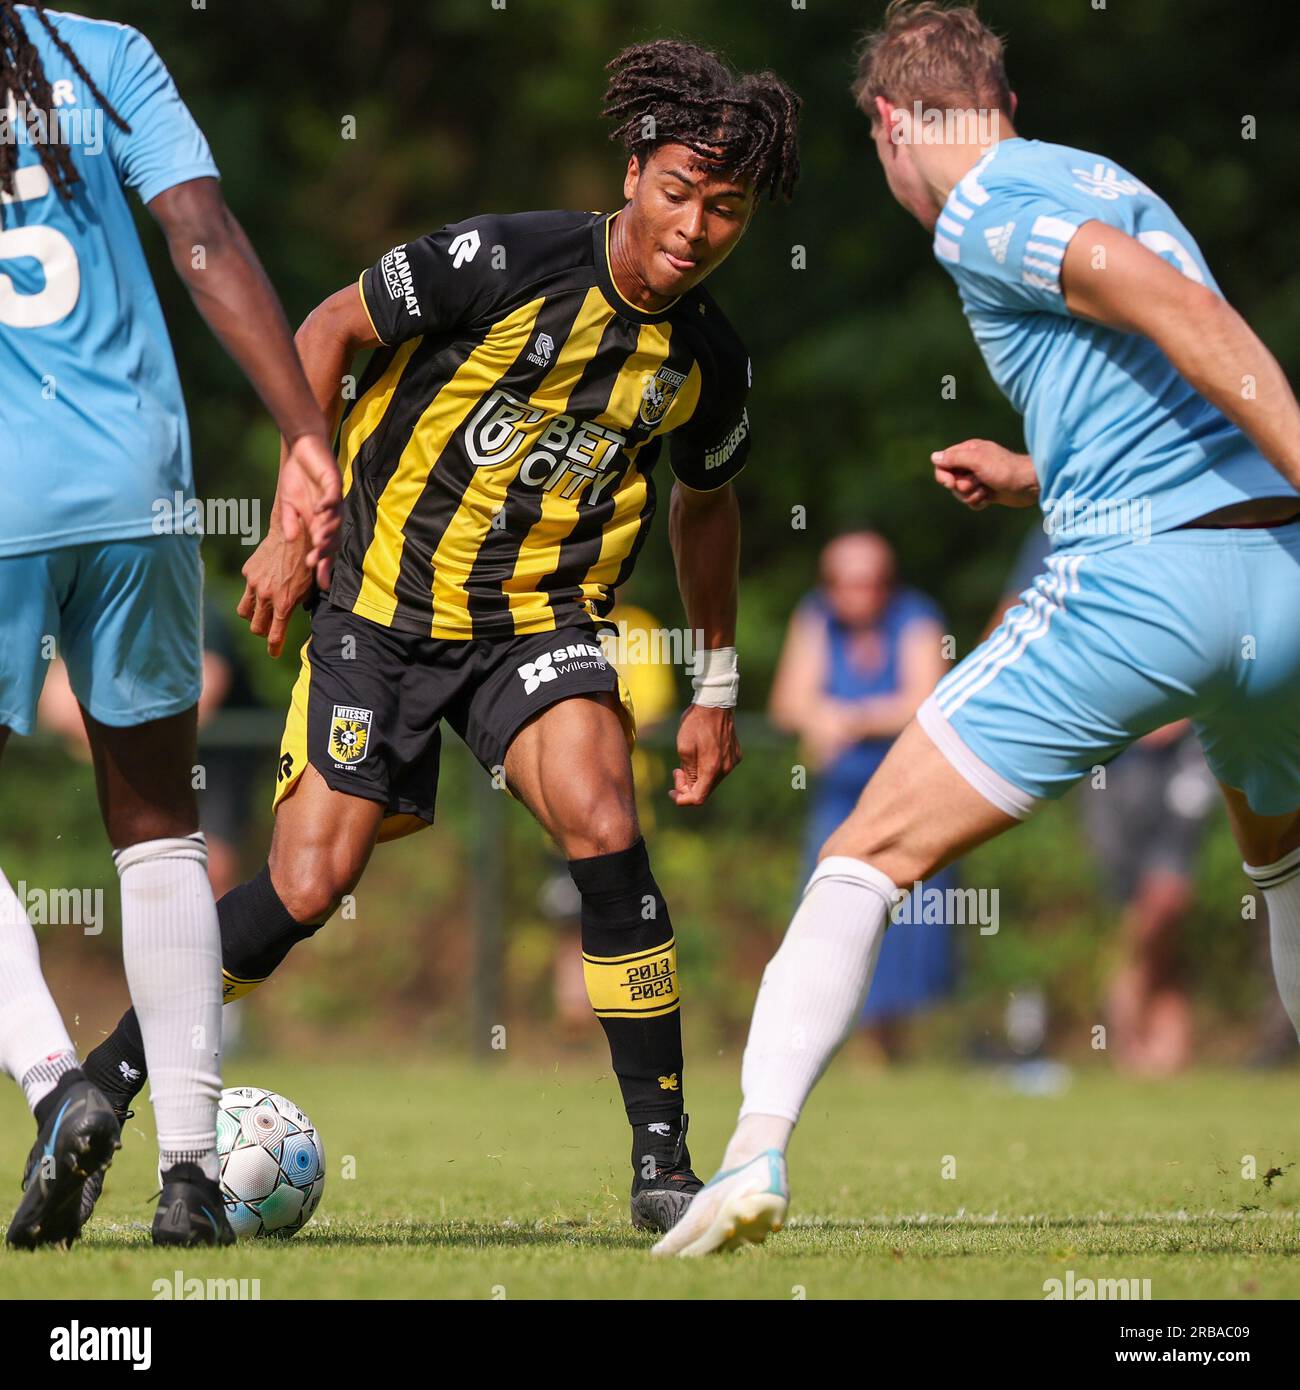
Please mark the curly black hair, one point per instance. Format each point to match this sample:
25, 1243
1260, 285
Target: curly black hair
22, 78
670, 92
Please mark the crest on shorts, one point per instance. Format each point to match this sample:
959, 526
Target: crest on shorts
349, 734
657, 394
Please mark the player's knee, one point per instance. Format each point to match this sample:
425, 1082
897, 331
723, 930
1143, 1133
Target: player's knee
313, 881
902, 857
605, 825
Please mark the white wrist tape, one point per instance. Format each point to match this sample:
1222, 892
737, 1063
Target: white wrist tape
716, 681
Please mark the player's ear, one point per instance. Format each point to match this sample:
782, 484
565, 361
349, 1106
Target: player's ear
632, 177
1015, 102
884, 116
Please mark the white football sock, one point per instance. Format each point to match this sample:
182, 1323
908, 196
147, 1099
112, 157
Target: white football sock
171, 945
1281, 886
754, 1134
34, 1045
811, 997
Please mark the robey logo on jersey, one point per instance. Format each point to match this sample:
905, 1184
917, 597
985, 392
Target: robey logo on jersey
568, 455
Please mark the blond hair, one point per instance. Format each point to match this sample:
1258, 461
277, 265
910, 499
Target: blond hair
939, 56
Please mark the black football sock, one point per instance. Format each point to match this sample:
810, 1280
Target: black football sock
117, 1066
257, 932
629, 960
659, 1148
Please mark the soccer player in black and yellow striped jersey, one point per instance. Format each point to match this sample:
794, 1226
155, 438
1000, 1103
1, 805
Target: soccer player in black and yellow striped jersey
500, 469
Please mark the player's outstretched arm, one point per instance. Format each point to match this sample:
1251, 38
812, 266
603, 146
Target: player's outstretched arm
704, 529
276, 577
1109, 276
230, 289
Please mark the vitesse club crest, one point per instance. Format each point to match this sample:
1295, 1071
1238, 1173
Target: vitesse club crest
658, 394
349, 734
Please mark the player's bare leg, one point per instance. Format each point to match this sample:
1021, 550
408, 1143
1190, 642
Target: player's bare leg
814, 987
571, 767
171, 947
34, 1045
322, 842
76, 1131
1270, 846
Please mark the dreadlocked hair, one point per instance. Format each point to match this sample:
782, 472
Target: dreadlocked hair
669, 92
23, 79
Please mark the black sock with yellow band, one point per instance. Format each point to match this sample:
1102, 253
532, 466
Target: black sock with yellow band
257, 932
630, 962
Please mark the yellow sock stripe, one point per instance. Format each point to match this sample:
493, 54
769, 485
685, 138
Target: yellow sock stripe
234, 988
639, 1013
641, 984
669, 945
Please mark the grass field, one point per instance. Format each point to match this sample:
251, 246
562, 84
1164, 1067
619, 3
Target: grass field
510, 1181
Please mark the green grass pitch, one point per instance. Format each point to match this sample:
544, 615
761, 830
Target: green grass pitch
509, 1181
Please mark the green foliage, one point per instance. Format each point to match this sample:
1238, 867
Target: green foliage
461, 107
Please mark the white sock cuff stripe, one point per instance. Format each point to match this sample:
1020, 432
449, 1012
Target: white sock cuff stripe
849, 870
193, 847
1275, 875
991, 785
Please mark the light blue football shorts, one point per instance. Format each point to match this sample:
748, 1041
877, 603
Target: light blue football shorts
125, 616
1108, 645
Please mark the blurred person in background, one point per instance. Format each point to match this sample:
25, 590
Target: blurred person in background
861, 653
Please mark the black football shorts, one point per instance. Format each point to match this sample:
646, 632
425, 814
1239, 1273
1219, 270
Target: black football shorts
369, 702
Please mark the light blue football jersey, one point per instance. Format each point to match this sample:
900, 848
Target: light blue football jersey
93, 433
1123, 446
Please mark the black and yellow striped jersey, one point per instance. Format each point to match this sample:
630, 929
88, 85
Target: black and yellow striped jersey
498, 461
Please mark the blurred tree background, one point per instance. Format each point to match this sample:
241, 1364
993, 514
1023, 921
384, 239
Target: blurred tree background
342, 128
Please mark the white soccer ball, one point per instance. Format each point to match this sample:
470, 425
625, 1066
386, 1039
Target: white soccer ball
272, 1162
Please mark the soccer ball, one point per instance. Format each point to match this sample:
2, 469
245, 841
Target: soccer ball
272, 1162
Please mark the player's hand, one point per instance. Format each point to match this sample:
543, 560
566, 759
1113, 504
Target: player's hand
978, 473
309, 501
707, 748
276, 579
